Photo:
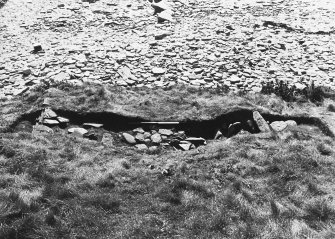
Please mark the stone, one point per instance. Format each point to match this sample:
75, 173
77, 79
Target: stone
62, 76
161, 35
291, 123
141, 147
37, 48
166, 132
50, 122
278, 125
300, 86
147, 135
234, 79
158, 70
126, 74
129, 138
46, 102
26, 72
218, 135
40, 129
92, 125
261, 123
153, 149
160, 6
156, 138
234, 128
139, 137
196, 141
107, 139
138, 130
185, 146
165, 16
63, 120
49, 114
77, 131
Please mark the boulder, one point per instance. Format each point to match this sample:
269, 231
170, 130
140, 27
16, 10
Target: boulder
63, 120
49, 114
141, 147
165, 16
156, 138
92, 125
129, 138
139, 137
40, 129
261, 123
166, 132
218, 135
291, 123
278, 125
158, 70
196, 141
77, 131
50, 122
138, 130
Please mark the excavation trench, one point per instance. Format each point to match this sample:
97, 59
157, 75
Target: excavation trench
206, 129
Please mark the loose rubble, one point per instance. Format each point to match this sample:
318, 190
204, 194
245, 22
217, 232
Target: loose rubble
233, 44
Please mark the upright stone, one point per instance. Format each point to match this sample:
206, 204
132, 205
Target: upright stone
261, 123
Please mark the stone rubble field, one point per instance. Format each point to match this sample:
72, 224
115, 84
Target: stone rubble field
218, 43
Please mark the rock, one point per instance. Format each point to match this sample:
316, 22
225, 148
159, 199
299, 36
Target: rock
185, 146
278, 125
91, 136
291, 123
49, 114
147, 135
107, 139
158, 71
140, 137
141, 147
166, 132
167, 172
165, 16
62, 76
218, 135
40, 129
160, 6
92, 125
50, 122
126, 74
196, 141
46, 102
129, 138
234, 128
153, 149
300, 86
77, 131
63, 120
156, 138
261, 123
161, 35
37, 48
234, 79
138, 130
26, 72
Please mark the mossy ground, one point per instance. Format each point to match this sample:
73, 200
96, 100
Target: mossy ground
59, 186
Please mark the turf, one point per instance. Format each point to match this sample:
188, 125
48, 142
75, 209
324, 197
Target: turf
60, 186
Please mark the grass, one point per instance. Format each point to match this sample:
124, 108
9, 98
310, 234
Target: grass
57, 186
